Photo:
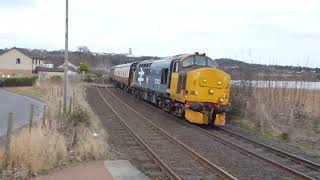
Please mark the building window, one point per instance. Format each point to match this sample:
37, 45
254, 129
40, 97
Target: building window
20, 72
18, 61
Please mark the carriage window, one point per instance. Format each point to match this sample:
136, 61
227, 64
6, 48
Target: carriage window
164, 76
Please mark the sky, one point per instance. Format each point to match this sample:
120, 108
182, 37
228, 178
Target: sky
282, 32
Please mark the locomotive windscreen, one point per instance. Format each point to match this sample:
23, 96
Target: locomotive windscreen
198, 60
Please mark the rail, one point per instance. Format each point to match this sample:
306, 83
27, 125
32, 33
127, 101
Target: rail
212, 167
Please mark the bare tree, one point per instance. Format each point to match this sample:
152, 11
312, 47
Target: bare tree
84, 49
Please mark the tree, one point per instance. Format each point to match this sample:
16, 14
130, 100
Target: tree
84, 49
84, 67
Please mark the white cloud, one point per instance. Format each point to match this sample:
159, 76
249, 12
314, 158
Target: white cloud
268, 29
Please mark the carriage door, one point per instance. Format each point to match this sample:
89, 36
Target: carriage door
132, 74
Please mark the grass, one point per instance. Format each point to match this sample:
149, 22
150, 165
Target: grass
60, 140
291, 115
34, 92
34, 152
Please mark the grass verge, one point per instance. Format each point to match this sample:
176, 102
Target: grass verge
58, 140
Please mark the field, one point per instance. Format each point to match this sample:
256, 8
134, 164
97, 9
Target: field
291, 115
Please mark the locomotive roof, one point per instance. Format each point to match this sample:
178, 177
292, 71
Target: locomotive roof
169, 58
150, 61
122, 65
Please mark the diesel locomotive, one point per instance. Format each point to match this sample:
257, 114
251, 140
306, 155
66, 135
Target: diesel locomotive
188, 85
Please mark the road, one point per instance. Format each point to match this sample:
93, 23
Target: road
20, 106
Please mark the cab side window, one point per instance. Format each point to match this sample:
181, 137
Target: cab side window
176, 67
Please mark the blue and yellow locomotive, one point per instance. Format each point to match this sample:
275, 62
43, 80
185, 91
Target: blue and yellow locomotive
189, 85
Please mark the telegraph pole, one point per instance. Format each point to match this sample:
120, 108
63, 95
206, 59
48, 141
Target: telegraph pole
66, 61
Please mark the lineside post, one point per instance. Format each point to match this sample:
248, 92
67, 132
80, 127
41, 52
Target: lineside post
31, 117
65, 98
8, 142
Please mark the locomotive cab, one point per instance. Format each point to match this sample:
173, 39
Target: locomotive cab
201, 88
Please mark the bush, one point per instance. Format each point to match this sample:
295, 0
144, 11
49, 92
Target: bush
90, 77
80, 116
84, 67
285, 137
14, 82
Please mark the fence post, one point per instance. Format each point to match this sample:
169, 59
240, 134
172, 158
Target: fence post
74, 99
70, 106
8, 142
31, 117
44, 115
59, 110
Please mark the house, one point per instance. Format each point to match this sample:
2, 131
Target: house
45, 73
18, 62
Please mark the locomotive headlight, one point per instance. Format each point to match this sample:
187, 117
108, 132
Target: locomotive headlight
211, 91
194, 92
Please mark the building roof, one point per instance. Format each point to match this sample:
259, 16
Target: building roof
44, 69
33, 54
70, 66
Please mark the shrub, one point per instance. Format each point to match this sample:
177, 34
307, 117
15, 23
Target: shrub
24, 81
80, 116
90, 77
285, 137
84, 67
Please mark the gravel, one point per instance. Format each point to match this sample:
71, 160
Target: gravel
122, 145
236, 163
181, 162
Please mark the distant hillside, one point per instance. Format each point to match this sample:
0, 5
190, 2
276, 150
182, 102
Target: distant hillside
230, 63
237, 69
242, 70
95, 60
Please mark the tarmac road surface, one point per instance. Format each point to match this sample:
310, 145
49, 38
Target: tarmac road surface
20, 106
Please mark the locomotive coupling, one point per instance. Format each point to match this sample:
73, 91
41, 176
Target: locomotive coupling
196, 106
200, 107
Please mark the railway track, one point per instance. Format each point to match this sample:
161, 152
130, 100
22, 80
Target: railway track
296, 165
176, 160
133, 150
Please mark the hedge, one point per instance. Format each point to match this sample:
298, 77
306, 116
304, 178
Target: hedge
14, 82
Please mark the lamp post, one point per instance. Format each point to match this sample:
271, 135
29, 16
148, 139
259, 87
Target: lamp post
66, 62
